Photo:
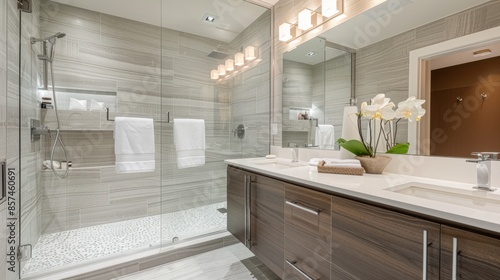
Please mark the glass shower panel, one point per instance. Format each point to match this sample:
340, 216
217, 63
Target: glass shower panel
105, 60
194, 198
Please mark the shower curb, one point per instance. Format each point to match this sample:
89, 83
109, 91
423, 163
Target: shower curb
156, 260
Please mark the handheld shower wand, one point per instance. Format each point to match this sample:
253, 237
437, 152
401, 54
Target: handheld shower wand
48, 59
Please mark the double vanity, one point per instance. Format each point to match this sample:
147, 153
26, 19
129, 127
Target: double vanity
308, 225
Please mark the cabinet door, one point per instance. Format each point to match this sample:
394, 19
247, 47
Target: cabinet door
474, 256
267, 203
236, 203
369, 242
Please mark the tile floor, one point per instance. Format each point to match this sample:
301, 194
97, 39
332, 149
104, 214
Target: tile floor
233, 262
82, 245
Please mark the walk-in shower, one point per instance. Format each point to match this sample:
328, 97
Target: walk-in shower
48, 58
139, 62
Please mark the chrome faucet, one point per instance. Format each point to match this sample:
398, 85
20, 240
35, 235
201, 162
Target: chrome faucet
295, 154
484, 169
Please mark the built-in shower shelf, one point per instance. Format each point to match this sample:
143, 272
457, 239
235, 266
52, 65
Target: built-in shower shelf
76, 120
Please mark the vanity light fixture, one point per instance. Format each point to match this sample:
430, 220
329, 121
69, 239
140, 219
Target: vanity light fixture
245, 57
239, 59
285, 33
305, 19
311, 20
222, 70
480, 53
250, 53
229, 63
329, 8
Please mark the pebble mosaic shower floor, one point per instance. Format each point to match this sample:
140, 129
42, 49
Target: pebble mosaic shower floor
75, 246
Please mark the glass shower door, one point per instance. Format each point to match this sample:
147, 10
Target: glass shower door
105, 60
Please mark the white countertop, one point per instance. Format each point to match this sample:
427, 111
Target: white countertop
372, 187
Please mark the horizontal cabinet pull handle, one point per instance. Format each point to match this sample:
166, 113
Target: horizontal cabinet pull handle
292, 264
303, 207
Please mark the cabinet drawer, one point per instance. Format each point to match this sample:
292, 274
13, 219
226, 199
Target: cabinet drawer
308, 219
301, 263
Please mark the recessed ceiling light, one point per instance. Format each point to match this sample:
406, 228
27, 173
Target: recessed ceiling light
484, 52
209, 18
311, 54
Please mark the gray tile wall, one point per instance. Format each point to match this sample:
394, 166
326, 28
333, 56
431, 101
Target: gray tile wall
251, 92
383, 67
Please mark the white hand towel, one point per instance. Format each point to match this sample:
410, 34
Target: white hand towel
325, 136
134, 145
189, 140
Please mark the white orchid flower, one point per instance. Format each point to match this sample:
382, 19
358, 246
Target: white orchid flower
411, 109
380, 108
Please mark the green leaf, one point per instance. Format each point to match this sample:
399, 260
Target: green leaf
401, 148
353, 146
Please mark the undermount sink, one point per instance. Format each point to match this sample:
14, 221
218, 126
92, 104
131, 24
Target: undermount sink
476, 199
275, 164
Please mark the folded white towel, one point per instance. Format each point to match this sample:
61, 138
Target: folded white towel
347, 165
77, 104
325, 136
189, 140
134, 145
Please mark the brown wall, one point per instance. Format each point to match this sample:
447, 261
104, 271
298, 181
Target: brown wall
471, 125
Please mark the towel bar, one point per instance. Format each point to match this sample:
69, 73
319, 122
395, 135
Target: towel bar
112, 120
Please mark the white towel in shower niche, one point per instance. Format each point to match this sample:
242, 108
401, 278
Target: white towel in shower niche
134, 145
189, 141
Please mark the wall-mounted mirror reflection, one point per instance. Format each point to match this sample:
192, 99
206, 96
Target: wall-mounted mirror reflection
383, 38
317, 84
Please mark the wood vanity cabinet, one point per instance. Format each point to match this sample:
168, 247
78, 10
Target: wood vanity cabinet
469, 255
370, 242
255, 206
301, 233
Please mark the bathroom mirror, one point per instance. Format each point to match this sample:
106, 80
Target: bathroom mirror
317, 84
384, 36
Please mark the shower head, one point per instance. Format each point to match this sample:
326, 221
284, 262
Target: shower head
217, 54
51, 39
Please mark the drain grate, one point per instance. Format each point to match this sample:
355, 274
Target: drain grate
222, 210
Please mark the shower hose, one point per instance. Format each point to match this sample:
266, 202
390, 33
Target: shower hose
58, 133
